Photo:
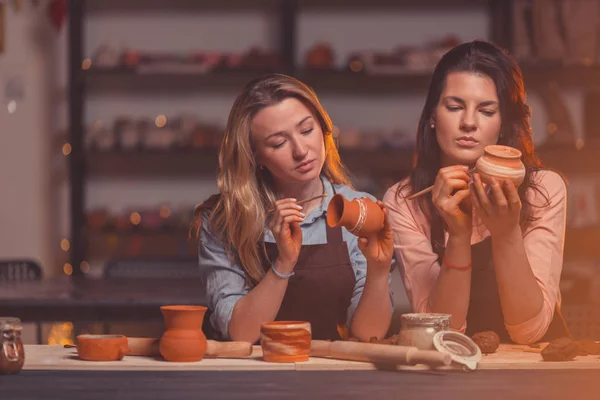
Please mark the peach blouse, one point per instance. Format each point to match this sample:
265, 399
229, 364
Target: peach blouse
543, 239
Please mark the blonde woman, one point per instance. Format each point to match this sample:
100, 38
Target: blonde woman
266, 258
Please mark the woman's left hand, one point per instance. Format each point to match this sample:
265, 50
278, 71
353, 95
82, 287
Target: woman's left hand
500, 211
378, 249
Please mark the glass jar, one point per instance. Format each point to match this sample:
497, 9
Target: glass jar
12, 353
418, 329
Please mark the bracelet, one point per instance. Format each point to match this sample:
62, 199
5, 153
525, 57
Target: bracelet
279, 274
461, 268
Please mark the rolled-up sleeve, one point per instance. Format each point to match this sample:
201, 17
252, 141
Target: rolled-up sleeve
544, 244
223, 279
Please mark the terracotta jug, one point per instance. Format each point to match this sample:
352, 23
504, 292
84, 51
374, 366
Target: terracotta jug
183, 339
501, 162
361, 217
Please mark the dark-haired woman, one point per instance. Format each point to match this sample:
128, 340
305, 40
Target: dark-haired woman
488, 255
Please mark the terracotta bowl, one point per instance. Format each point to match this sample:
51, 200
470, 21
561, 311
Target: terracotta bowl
102, 347
285, 341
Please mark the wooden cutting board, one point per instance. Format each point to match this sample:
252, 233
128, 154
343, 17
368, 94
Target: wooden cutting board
55, 357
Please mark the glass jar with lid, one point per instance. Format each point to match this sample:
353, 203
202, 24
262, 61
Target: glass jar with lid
418, 329
12, 353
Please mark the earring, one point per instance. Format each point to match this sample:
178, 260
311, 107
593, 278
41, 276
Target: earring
432, 126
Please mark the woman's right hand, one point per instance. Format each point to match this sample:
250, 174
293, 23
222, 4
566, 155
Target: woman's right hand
285, 225
450, 189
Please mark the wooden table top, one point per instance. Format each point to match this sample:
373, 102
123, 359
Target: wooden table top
508, 357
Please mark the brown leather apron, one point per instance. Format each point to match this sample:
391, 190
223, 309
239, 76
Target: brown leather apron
485, 311
321, 289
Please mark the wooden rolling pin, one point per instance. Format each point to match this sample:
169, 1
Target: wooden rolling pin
378, 353
148, 347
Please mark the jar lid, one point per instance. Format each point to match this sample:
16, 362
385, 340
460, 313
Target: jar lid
461, 348
10, 323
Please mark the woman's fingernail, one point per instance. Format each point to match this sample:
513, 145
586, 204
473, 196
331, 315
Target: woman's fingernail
298, 207
302, 215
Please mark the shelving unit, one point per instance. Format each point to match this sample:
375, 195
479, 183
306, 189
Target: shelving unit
394, 163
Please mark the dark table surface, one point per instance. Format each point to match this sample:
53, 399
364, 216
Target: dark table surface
64, 298
371, 385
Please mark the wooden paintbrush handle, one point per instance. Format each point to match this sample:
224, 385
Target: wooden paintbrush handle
422, 192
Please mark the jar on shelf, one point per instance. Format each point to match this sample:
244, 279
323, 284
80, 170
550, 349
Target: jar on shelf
418, 329
12, 352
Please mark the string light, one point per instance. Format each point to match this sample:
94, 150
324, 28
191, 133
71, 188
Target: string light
160, 121
68, 269
66, 149
65, 245
85, 267
86, 64
135, 218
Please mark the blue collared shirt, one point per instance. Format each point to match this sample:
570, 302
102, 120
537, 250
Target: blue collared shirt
224, 281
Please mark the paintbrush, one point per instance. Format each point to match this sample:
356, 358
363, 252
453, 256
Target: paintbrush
304, 201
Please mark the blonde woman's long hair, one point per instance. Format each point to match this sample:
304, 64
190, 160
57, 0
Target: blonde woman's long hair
238, 212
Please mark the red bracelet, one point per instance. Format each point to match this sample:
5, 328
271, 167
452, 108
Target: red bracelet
447, 264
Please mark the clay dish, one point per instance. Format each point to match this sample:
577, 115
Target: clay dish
102, 347
285, 341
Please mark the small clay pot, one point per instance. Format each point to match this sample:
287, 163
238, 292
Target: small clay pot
183, 339
285, 341
102, 347
501, 162
361, 217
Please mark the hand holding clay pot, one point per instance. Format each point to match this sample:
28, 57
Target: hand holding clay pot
378, 248
361, 217
183, 339
500, 210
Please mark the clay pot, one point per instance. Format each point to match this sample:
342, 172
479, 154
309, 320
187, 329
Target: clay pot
501, 162
102, 347
183, 339
285, 341
361, 217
